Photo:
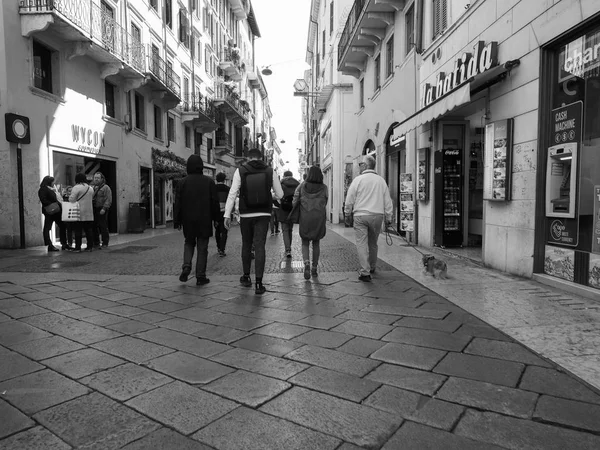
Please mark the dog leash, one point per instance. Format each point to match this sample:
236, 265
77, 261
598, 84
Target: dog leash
390, 242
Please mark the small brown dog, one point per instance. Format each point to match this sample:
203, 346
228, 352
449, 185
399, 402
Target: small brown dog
435, 267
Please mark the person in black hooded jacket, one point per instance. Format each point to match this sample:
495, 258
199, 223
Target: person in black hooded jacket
196, 209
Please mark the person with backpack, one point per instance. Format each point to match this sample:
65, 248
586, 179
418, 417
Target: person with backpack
289, 185
253, 182
220, 230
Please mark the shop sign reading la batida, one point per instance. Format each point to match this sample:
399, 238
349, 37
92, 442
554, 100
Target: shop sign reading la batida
483, 58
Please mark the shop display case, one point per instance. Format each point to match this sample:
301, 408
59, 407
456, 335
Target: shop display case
449, 197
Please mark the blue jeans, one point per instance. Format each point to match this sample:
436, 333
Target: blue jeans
188, 254
254, 233
366, 231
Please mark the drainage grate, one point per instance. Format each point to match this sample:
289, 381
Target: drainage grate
133, 249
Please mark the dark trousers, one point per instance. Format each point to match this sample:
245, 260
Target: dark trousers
84, 227
191, 242
100, 227
48, 221
274, 222
288, 229
254, 234
221, 234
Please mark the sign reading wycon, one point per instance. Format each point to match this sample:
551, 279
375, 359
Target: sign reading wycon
483, 58
89, 141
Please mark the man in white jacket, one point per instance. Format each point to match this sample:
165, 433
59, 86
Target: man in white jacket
369, 201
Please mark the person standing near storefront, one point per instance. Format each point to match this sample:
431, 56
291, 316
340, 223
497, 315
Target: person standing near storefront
84, 194
220, 230
253, 182
49, 197
289, 185
369, 202
102, 203
196, 209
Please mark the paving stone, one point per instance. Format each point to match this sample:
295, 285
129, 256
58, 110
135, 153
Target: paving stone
37, 438
33, 296
247, 429
267, 344
24, 311
4, 318
428, 338
75, 330
323, 322
80, 313
14, 365
119, 296
12, 421
368, 330
125, 311
81, 363
104, 319
583, 416
334, 360
361, 346
221, 334
137, 301
235, 308
557, 384
493, 371
15, 332
268, 365
412, 379
383, 319
482, 331
46, 347
196, 313
407, 311
282, 330
395, 401
347, 446
438, 414
184, 342
413, 436
177, 406
504, 350
130, 327
409, 355
132, 349
12, 302
95, 421
189, 368
125, 381
323, 338
248, 388
317, 310
338, 384
429, 324
164, 307
39, 390
237, 322
334, 416
509, 432
98, 303
57, 305
182, 325
165, 438
491, 397
152, 317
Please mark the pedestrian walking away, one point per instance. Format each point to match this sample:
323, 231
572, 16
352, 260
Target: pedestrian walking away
275, 218
368, 203
102, 204
289, 185
257, 184
83, 193
220, 230
312, 197
196, 209
51, 208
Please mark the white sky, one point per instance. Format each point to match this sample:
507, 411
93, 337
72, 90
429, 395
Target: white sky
283, 26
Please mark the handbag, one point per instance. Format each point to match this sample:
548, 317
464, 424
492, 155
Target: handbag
52, 208
294, 215
71, 211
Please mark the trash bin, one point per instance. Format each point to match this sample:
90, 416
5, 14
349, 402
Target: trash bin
136, 220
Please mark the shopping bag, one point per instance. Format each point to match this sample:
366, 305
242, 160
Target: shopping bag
71, 212
52, 208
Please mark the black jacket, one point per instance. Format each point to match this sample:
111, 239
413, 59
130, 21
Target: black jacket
47, 196
196, 201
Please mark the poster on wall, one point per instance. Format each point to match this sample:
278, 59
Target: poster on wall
559, 262
423, 175
407, 205
596, 229
497, 166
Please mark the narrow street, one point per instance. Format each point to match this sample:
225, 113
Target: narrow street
109, 350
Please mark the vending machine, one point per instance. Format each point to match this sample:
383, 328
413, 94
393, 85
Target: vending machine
448, 179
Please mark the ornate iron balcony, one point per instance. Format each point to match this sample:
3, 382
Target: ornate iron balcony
353, 17
164, 73
233, 104
198, 103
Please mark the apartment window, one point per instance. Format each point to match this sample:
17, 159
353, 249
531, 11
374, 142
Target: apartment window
158, 126
199, 53
323, 51
409, 19
197, 143
377, 72
169, 13
389, 56
186, 91
187, 131
331, 18
109, 99
43, 67
154, 4
440, 17
184, 28
362, 92
140, 117
209, 151
171, 128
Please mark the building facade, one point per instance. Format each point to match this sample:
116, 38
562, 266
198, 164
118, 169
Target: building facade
130, 88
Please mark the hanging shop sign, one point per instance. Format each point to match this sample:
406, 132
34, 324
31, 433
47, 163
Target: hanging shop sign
87, 139
407, 203
497, 169
483, 58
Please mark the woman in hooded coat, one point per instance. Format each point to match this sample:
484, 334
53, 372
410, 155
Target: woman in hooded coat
196, 209
312, 196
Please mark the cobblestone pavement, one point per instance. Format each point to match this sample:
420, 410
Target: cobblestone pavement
109, 350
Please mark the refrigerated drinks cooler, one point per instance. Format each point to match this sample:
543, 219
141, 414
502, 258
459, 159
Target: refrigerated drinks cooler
448, 178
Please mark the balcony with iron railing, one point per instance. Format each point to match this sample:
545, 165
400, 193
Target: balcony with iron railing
240, 8
224, 142
231, 105
166, 83
90, 30
231, 63
199, 112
